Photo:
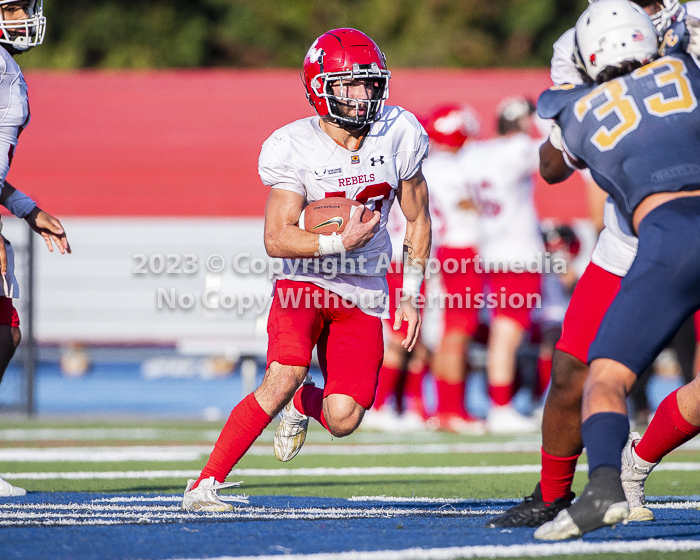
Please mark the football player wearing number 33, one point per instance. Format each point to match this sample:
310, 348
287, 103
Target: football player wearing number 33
636, 127
354, 148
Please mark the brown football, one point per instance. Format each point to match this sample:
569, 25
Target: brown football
331, 215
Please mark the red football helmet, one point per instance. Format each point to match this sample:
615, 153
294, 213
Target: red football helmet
561, 240
345, 54
453, 124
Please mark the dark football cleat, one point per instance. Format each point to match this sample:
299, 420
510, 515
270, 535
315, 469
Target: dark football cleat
602, 504
531, 512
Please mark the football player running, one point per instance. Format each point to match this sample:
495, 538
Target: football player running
22, 27
355, 148
645, 159
509, 245
452, 129
612, 257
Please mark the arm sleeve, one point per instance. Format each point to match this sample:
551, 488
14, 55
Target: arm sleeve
272, 169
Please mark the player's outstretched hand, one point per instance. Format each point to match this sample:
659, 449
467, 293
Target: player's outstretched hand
50, 229
357, 234
407, 312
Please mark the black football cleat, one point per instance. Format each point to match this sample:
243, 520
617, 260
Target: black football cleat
531, 512
602, 504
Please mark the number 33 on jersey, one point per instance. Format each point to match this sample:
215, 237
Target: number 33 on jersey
616, 126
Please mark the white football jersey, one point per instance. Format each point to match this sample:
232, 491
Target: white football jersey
616, 246
300, 157
563, 69
501, 177
692, 9
14, 117
448, 182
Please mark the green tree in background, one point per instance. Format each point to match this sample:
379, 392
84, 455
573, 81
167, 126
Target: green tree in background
277, 33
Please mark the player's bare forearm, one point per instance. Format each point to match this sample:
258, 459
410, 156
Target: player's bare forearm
553, 167
413, 198
283, 237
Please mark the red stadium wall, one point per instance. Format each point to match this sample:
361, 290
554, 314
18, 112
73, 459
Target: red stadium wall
186, 143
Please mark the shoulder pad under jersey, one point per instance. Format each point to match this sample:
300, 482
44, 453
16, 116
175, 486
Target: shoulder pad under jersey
552, 101
675, 39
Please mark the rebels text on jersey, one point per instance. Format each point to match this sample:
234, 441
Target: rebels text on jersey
638, 133
302, 158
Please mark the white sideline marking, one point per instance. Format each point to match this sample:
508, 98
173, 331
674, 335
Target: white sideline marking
347, 471
14, 515
104, 454
502, 551
131, 434
311, 472
675, 505
87, 434
403, 500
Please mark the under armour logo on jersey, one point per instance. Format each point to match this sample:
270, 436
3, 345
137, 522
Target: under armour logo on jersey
379, 160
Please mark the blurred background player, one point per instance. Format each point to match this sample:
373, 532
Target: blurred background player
22, 27
355, 148
502, 175
398, 403
562, 245
611, 259
451, 129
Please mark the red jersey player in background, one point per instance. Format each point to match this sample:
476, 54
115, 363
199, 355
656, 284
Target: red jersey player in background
502, 174
451, 128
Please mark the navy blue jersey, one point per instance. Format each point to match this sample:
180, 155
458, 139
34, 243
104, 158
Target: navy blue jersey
639, 134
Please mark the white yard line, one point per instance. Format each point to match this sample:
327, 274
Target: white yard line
315, 472
104, 454
14, 515
154, 434
520, 550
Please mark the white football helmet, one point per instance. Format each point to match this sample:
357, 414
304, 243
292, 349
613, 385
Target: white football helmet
671, 11
610, 32
23, 34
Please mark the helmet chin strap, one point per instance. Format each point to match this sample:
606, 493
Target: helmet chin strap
345, 125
